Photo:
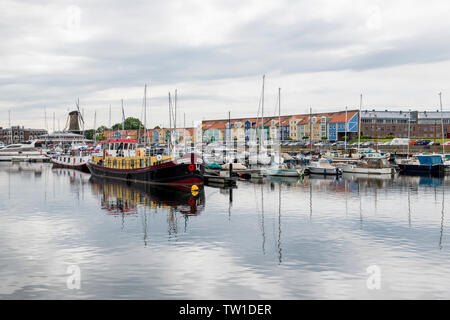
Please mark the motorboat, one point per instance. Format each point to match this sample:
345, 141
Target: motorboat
422, 164
323, 166
21, 149
369, 166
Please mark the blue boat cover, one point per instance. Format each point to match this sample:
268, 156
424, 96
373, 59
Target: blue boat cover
429, 159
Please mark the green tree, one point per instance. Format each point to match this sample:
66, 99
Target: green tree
89, 134
101, 136
130, 124
102, 128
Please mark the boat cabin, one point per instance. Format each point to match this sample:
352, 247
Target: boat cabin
125, 154
376, 163
120, 147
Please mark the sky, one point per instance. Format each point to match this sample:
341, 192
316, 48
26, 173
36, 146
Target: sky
322, 54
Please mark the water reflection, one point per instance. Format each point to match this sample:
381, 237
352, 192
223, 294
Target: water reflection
285, 238
118, 198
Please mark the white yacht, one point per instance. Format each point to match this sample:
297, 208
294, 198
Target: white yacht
323, 166
369, 166
22, 149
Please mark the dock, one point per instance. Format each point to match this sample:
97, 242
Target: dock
38, 158
220, 181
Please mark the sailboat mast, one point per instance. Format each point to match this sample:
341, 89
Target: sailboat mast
262, 110
45, 118
170, 123
359, 123
442, 124
279, 125
376, 134
409, 131
175, 118
145, 114
123, 117
346, 125
310, 131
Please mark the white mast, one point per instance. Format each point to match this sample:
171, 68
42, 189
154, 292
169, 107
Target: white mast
123, 117
442, 124
145, 114
262, 110
409, 130
279, 125
175, 117
184, 131
359, 123
9, 122
346, 125
170, 124
45, 118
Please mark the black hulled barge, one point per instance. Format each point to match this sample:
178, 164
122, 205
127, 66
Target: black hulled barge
121, 159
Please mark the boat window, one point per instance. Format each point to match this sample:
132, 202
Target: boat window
141, 164
147, 162
123, 163
114, 163
125, 147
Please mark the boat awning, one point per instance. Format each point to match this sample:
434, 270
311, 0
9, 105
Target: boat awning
429, 160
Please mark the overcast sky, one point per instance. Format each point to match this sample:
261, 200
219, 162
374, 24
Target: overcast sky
322, 54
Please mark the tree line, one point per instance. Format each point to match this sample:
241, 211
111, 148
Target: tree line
129, 124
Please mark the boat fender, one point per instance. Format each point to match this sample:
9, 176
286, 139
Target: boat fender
191, 167
159, 157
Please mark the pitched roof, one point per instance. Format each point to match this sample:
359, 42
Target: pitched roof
340, 117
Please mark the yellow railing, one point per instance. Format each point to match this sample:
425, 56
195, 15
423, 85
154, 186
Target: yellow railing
128, 162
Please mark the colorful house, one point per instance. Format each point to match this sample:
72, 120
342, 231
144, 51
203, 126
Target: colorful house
293, 127
314, 126
213, 131
341, 123
282, 131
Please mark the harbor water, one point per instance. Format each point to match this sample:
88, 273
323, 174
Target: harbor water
65, 235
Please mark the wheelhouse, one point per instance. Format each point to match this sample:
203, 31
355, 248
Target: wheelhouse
120, 148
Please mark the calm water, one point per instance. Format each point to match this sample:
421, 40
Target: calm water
282, 239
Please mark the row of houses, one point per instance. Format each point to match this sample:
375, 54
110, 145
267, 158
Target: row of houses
318, 126
332, 126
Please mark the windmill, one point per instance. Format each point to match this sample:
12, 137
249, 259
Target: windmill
75, 120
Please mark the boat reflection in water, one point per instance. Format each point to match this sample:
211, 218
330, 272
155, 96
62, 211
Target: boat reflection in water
119, 198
